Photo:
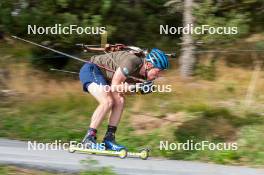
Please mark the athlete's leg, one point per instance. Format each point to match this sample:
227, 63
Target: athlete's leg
115, 116
117, 108
105, 101
93, 81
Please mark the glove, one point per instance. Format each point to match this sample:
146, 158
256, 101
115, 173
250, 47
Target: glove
146, 87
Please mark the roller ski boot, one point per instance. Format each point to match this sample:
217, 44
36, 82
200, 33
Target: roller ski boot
110, 143
90, 146
89, 142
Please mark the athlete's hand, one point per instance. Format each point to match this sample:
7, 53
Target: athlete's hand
146, 87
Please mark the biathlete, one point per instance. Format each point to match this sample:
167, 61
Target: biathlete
125, 66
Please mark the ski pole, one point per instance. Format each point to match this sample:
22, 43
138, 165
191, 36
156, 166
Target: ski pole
66, 71
53, 50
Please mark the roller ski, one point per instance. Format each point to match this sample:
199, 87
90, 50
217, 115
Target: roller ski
108, 147
123, 153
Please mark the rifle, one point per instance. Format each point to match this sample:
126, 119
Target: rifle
118, 47
108, 48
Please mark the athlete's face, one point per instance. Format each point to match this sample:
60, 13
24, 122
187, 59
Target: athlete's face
152, 72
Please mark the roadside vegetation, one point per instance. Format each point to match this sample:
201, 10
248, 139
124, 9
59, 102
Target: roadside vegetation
47, 107
9, 170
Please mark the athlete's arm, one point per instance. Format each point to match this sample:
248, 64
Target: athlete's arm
118, 82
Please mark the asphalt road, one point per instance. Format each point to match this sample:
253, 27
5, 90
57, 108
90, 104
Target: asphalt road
16, 153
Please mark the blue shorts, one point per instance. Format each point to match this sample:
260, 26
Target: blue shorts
90, 73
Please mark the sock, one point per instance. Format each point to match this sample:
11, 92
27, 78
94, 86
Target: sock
111, 129
91, 132
110, 133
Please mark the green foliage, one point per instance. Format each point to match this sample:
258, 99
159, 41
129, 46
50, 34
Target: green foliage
3, 170
219, 125
127, 22
230, 88
206, 126
260, 45
47, 120
94, 169
207, 72
251, 144
6, 170
209, 13
225, 157
104, 170
62, 119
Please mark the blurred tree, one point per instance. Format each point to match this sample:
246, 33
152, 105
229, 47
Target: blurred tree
187, 58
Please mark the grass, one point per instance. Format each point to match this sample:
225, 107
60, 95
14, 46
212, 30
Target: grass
49, 119
8, 170
65, 118
219, 125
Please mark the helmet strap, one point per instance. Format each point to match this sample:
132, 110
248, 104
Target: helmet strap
146, 70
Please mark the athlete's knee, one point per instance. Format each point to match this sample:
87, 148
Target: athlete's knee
108, 102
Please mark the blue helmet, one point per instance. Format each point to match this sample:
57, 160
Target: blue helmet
158, 58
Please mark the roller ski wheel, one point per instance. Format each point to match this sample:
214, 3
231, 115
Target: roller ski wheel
71, 150
141, 153
144, 154
123, 153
